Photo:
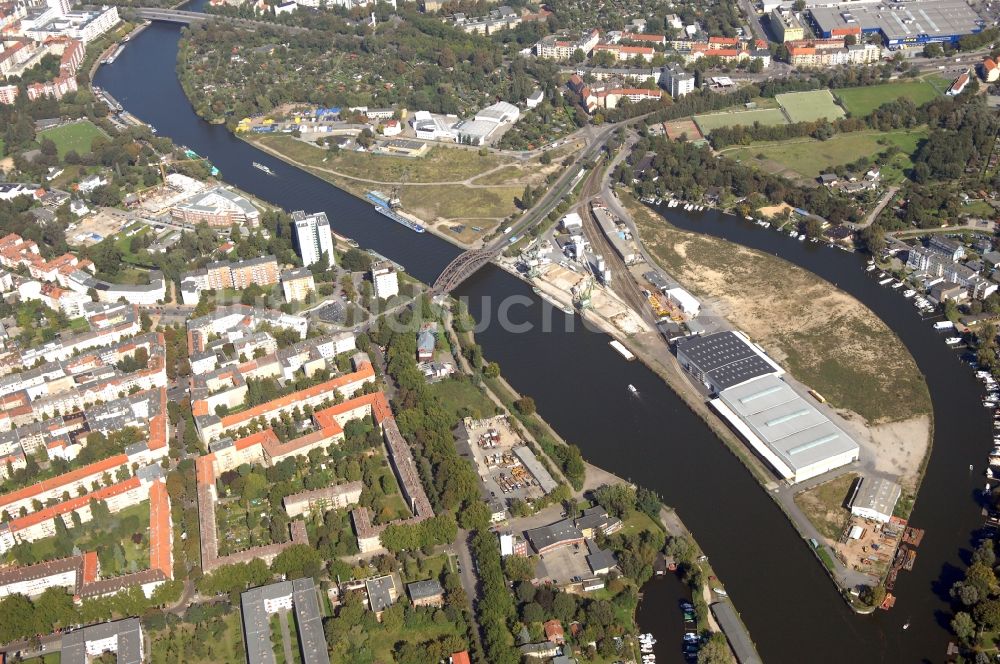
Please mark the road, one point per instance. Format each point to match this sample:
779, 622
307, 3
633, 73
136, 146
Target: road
876, 211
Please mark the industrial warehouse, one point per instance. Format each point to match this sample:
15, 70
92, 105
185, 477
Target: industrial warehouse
786, 430
899, 24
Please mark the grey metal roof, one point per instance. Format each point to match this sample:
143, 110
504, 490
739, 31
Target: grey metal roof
878, 494
424, 589
725, 358
553, 534
788, 424
935, 18
312, 639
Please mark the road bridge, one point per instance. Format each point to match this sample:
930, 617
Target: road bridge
470, 262
188, 18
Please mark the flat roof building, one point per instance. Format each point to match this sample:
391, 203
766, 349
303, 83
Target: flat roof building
554, 535
900, 24
875, 499
724, 359
122, 637
258, 604
796, 439
381, 593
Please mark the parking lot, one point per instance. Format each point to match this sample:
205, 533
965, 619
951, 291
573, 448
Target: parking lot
564, 565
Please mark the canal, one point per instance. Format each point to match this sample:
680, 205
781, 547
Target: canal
792, 610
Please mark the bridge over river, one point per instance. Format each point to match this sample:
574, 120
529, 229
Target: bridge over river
188, 18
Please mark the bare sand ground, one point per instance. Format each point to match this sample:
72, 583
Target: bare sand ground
824, 337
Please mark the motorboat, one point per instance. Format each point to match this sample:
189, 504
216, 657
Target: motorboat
632, 388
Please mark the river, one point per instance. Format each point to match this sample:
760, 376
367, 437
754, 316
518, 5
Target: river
792, 610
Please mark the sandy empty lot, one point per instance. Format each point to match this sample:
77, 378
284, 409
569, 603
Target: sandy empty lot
823, 336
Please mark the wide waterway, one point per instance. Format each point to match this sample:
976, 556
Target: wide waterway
791, 609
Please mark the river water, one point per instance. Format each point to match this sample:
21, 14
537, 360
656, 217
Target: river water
792, 610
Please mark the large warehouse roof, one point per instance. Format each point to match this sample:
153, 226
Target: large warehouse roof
726, 359
905, 21
788, 425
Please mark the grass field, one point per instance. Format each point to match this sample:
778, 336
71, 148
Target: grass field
453, 202
458, 396
824, 505
441, 164
809, 157
76, 136
862, 101
810, 106
765, 116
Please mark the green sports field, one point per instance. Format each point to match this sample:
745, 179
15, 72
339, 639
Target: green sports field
810, 106
76, 136
765, 116
862, 101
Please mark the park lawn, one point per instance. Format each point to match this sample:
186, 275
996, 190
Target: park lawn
424, 568
441, 164
861, 101
809, 157
76, 136
124, 244
177, 646
823, 505
978, 209
460, 397
638, 522
384, 642
765, 116
132, 276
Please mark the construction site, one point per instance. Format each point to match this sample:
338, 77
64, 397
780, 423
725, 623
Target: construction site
880, 550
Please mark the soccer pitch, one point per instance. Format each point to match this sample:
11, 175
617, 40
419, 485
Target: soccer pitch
810, 106
765, 116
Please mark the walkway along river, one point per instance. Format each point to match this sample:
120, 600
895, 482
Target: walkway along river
792, 610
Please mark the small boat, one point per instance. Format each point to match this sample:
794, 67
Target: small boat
802, 237
951, 341
262, 167
906, 625
909, 293
632, 389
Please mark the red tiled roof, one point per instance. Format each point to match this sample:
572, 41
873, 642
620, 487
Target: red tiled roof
64, 479
159, 529
74, 504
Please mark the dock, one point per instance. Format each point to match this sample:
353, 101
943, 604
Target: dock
624, 352
736, 633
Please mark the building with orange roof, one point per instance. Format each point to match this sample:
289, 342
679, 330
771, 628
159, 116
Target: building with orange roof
612, 97
55, 486
461, 657
989, 70
660, 40
212, 426
626, 52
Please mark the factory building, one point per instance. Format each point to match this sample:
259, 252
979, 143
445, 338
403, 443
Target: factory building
899, 24
788, 432
724, 359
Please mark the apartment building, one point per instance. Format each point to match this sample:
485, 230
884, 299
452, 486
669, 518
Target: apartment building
313, 237
385, 279
338, 496
220, 275
562, 49
217, 207
297, 284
